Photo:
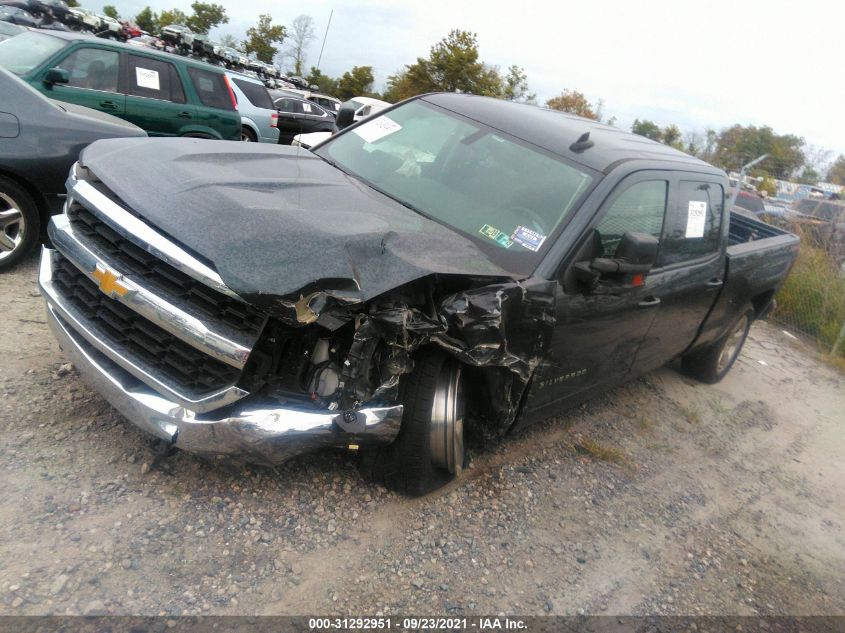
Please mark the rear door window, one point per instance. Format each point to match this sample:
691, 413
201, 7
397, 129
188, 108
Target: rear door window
211, 88
694, 225
154, 79
291, 106
92, 68
256, 94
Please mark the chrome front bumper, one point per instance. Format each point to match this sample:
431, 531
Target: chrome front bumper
261, 434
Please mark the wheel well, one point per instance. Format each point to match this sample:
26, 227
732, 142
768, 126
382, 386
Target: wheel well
762, 303
40, 202
252, 130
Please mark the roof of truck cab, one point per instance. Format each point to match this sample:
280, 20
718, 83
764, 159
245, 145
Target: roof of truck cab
557, 131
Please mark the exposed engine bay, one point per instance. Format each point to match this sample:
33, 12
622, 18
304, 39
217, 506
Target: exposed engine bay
324, 350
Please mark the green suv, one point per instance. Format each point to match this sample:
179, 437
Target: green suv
164, 94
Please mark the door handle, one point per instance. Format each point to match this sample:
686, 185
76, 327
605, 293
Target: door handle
650, 302
108, 105
185, 115
715, 283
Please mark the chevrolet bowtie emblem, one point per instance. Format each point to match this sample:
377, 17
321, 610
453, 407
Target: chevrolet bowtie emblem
109, 282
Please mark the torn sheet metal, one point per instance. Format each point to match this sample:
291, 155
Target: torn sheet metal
502, 326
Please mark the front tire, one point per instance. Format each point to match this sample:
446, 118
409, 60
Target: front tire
712, 363
20, 223
429, 450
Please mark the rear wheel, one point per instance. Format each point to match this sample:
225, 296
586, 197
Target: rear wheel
713, 362
429, 450
19, 223
247, 135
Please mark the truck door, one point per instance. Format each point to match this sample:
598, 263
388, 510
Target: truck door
597, 333
690, 270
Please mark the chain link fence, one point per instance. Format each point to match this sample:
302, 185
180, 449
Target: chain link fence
812, 301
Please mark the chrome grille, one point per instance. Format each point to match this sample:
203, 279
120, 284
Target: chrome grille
162, 277
122, 328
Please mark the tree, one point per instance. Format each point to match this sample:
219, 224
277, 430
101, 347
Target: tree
206, 16
300, 36
836, 173
262, 37
328, 85
515, 86
574, 102
672, 136
355, 82
147, 20
738, 145
809, 176
172, 16
768, 186
111, 11
647, 128
72, 3
229, 41
452, 66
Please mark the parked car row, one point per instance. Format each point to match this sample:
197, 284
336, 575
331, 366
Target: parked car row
32, 180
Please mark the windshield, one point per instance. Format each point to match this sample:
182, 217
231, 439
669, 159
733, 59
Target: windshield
27, 51
502, 193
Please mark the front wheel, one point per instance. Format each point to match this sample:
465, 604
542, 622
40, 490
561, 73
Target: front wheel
19, 223
713, 362
429, 450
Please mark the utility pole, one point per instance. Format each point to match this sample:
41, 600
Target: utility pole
323, 45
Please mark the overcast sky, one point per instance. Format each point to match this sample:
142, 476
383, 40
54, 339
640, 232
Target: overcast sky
696, 64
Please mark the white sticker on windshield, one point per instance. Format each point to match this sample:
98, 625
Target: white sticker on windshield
696, 216
378, 128
306, 107
146, 78
532, 240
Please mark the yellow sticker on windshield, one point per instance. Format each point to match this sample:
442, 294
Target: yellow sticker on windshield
496, 235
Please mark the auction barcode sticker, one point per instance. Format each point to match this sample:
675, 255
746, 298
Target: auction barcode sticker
696, 216
378, 128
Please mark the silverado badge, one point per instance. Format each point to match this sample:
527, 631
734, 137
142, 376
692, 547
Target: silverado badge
109, 282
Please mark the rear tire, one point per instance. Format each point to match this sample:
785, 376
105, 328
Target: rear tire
712, 363
429, 450
247, 135
20, 223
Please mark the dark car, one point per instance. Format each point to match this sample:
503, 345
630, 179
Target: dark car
39, 141
451, 269
166, 95
14, 15
7, 30
300, 116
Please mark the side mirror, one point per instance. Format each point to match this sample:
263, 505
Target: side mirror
56, 76
634, 257
345, 117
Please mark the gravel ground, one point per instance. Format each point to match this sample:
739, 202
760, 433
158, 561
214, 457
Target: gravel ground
662, 497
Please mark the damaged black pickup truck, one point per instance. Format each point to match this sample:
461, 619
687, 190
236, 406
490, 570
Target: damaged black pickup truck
452, 269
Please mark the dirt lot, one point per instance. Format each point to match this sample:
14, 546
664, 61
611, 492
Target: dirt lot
664, 497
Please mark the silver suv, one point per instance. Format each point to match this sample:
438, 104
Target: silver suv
259, 119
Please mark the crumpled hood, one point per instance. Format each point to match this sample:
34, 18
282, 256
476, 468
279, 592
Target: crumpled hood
273, 220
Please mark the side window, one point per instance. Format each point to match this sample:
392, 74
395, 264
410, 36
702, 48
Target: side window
211, 88
154, 79
640, 209
692, 229
288, 105
92, 68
